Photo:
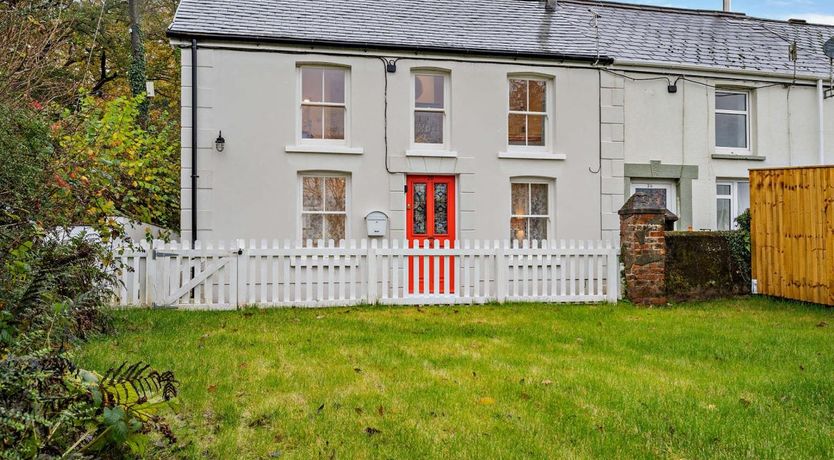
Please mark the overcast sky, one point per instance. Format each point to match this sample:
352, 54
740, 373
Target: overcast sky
819, 11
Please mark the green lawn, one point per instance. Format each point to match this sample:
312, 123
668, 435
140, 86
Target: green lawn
749, 378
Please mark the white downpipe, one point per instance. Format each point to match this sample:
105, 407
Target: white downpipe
821, 110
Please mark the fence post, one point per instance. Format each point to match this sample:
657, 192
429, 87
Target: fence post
500, 273
613, 264
373, 296
150, 272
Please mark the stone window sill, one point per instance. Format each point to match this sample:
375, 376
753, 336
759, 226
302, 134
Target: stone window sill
431, 153
727, 156
533, 156
311, 148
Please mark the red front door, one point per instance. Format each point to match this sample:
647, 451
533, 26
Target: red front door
430, 216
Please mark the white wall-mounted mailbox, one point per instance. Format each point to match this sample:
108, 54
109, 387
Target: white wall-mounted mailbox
377, 223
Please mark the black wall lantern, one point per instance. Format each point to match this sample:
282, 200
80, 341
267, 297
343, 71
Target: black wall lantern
220, 142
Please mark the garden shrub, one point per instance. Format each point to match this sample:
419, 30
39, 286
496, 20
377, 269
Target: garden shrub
53, 292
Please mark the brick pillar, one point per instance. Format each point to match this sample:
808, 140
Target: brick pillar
642, 225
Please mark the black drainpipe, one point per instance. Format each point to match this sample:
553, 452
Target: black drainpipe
194, 175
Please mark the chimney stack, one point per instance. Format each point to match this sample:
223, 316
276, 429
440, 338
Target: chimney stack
728, 6
550, 5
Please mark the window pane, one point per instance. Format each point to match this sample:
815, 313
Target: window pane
312, 227
538, 228
743, 196
730, 130
334, 122
311, 122
518, 229
419, 209
441, 217
518, 95
428, 91
428, 127
335, 226
723, 214
723, 189
334, 193
517, 130
731, 101
312, 197
521, 197
538, 96
535, 129
334, 86
311, 84
538, 199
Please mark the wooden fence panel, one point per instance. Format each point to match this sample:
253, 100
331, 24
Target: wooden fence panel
792, 232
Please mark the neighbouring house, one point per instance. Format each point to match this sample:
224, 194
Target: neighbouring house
499, 119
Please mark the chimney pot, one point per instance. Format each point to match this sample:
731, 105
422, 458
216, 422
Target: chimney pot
550, 5
728, 6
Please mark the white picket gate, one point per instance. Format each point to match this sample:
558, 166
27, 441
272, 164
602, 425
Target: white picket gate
232, 274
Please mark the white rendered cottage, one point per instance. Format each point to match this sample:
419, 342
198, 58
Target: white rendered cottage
475, 119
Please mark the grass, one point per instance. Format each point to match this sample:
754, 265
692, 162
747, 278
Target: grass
747, 378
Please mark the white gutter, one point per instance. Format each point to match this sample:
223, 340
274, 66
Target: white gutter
821, 110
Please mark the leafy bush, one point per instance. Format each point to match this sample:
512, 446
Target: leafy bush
53, 289
740, 246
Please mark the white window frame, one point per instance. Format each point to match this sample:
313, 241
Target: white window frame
300, 203
424, 149
747, 117
551, 204
670, 186
300, 140
733, 197
547, 148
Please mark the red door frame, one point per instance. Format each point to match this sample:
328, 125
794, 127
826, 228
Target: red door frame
416, 272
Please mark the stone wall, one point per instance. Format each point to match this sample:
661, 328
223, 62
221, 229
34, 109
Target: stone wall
661, 266
701, 265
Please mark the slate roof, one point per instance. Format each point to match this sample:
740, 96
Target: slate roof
517, 27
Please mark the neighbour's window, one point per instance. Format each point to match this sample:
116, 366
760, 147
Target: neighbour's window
732, 199
531, 211
430, 106
323, 106
732, 119
527, 119
324, 208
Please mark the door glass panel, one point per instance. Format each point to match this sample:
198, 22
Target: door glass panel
441, 217
419, 209
723, 214
743, 196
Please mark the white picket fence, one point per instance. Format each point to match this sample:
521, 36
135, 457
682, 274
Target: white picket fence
226, 275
